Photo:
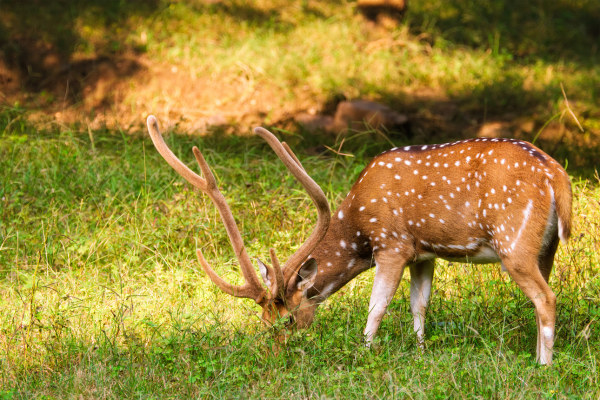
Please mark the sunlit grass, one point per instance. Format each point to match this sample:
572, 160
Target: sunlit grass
102, 296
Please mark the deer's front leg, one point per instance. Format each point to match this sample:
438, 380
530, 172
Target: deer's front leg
421, 278
389, 268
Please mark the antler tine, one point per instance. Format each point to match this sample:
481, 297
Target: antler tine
314, 191
291, 153
252, 288
211, 182
220, 282
171, 158
279, 281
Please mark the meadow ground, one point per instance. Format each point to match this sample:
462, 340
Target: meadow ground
102, 296
100, 291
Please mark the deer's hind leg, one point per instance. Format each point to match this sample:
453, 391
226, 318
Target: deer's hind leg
389, 269
421, 279
525, 270
546, 261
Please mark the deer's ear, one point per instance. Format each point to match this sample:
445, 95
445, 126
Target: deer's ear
264, 273
307, 274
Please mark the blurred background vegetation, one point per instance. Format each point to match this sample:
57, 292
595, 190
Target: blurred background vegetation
455, 68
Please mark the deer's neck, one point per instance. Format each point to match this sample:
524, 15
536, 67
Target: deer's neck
343, 254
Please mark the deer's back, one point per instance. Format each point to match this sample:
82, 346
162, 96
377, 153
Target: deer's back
454, 198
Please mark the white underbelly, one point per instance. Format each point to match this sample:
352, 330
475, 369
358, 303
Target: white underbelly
485, 255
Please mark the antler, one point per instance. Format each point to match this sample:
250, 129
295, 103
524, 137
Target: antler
252, 288
292, 163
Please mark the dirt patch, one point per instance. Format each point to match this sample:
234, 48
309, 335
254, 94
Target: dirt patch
122, 90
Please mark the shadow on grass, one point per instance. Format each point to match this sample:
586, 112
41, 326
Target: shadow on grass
43, 50
77, 50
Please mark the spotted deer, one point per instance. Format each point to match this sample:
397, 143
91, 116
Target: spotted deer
476, 201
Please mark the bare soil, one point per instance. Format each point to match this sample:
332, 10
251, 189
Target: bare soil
120, 90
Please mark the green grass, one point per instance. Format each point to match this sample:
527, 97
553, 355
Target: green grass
100, 291
102, 296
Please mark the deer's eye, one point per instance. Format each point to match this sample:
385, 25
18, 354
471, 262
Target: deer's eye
289, 320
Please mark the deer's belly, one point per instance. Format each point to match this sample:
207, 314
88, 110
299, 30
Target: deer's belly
483, 255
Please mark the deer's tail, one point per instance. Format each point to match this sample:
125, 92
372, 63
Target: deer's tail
563, 198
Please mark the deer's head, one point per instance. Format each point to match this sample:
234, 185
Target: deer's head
284, 294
